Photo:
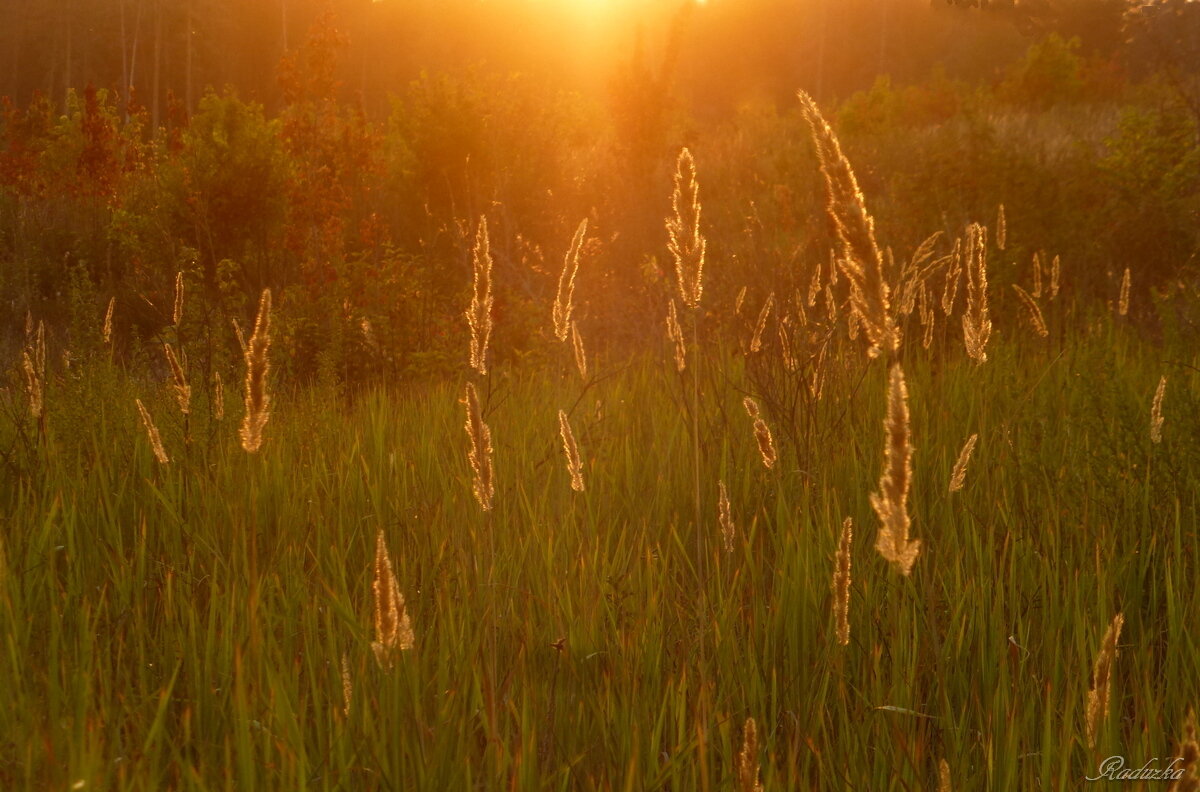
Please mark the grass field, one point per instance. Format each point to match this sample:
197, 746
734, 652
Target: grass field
185, 626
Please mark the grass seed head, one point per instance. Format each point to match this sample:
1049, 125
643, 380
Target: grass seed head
571, 451
891, 502
393, 631
565, 298
684, 240
156, 445
841, 583
480, 452
1156, 416
479, 315
1098, 694
258, 367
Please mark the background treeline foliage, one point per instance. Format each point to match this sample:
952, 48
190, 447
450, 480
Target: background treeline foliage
350, 148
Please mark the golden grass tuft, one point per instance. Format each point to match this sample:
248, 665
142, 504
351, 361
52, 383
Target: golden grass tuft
177, 313
480, 453
747, 761
977, 324
1035, 313
257, 399
179, 383
725, 517
106, 328
841, 583
571, 452
686, 243
393, 631
156, 445
479, 315
891, 502
1156, 416
1098, 694
1123, 301
565, 298
762, 433
581, 361
959, 474
859, 257
761, 324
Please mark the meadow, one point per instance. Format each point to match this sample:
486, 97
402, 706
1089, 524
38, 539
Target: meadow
316, 590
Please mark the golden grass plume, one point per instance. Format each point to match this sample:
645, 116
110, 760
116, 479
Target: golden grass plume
725, 517
976, 321
1123, 300
480, 453
179, 383
959, 474
106, 328
571, 452
841, 582
1035, 313
1099, 693
675, 335
1156, 415
1189, 758
891, 502
33, 364
762, 433
686, 243
761, 324
156, 445
479, 315
565, 298
747, 761
258, 367
581, 361
393, 631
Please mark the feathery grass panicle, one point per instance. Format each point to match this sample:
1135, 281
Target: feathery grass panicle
156, 445
944, 776
480, 453
959, 474
737, 303
1189, 758
859, 257
218, 397
675, 335
761, 324
257, 399
841, 583
814, 286
571, 452
179, 383
581, 361
1037, 276
686, 243
1055, 272
106, 328
747, 761
565, 298
393, 631
725, 517
927, 314
347, 686
1123, 302
1098, 694
977, 324
177, 313
785, 344
479, 315
1156, 416
762, 433
1001, 229
1035, 313
891, 502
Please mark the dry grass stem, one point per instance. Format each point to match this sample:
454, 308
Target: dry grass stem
565, 298
859, 257
675, 335
1098, 695
685, 241
480, 453
479, 315
393, 631
841, 583
1156, 416
156, 445
257, 399
959, 474
1035, 313
747, 762
977, 324
1123, 302
725, 517
891, 502
179, 383
761, 324
571, 452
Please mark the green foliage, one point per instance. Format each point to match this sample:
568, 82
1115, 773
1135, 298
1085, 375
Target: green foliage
1050, 73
